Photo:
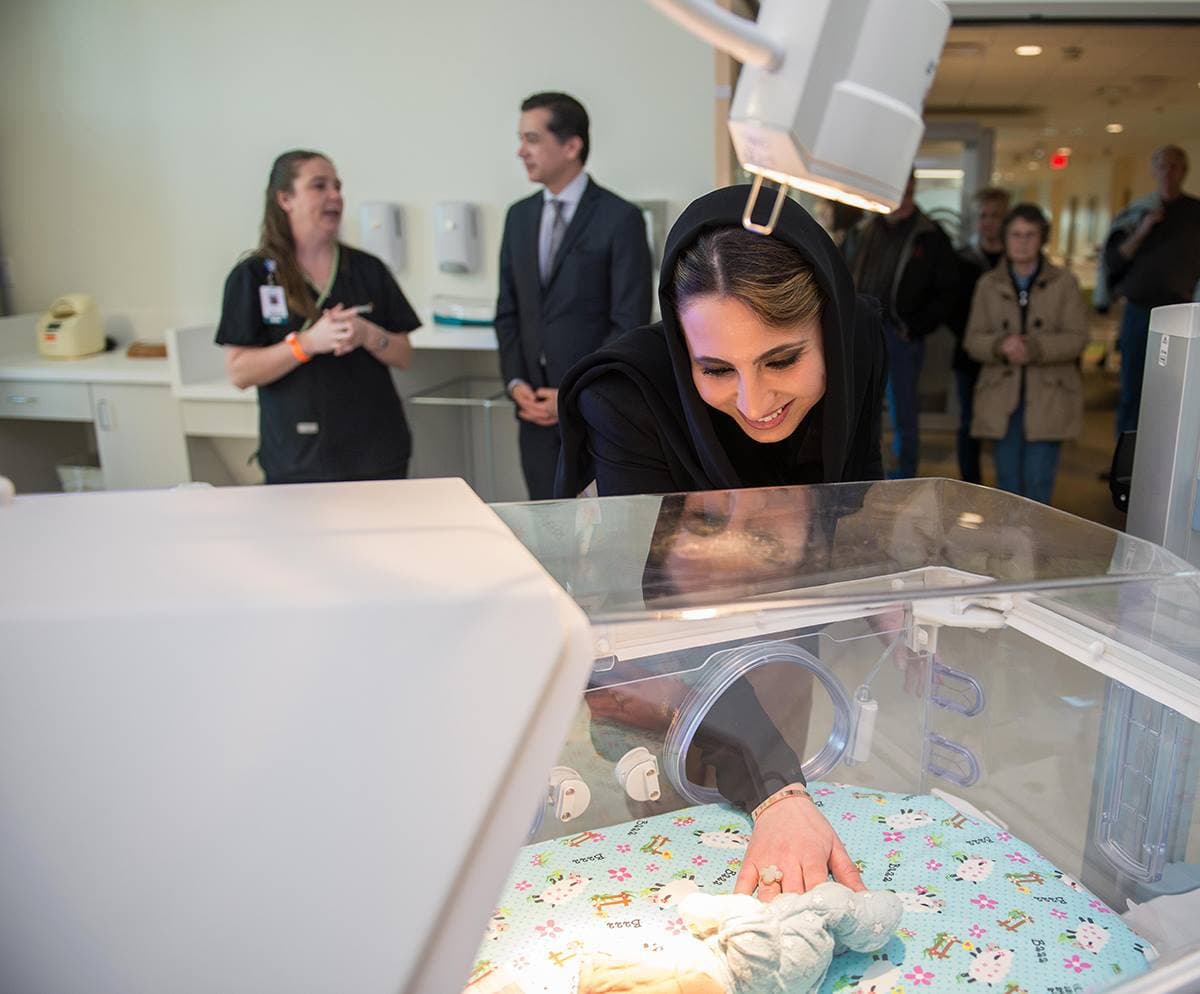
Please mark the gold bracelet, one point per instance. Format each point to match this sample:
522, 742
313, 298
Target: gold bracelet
779, 795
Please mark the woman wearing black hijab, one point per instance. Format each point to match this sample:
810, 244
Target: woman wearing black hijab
749, 325
767, 369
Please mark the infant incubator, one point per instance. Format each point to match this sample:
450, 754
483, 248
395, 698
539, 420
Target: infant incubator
226, 730
995, 704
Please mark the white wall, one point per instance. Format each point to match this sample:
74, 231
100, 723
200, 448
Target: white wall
136, 135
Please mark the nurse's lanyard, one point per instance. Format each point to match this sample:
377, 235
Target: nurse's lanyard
324, 294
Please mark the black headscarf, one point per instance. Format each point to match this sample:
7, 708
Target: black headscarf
842, 431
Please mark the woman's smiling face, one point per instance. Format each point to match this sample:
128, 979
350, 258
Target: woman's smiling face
314, 204
766, 378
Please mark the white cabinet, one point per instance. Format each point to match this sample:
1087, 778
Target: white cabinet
44, 401
139, 435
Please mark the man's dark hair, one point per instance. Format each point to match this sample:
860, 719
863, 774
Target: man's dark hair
568, 119
1031, 213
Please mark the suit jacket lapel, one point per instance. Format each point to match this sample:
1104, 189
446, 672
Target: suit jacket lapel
587, 204
530, 230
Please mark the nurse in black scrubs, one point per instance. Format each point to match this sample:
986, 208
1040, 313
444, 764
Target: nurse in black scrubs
767, 369
316, 326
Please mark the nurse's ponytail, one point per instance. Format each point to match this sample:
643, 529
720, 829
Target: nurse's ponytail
276, 242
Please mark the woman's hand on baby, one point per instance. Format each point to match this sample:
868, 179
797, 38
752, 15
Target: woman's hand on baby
793, 837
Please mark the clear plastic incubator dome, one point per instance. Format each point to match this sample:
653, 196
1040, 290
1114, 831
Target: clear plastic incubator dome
993, 703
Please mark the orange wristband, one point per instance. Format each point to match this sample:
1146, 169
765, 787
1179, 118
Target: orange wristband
297, 349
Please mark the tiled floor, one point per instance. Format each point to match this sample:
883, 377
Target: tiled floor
1078, 487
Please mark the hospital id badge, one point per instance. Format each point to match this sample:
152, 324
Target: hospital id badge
274, 304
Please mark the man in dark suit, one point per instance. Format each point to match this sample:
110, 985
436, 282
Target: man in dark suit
574, 272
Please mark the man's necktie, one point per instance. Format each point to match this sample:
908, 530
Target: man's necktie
558, 228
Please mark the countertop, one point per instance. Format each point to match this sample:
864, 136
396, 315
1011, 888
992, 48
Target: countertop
20, 360
480, 338
220, 389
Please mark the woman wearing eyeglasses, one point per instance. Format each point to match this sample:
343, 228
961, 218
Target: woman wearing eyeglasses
1028, 327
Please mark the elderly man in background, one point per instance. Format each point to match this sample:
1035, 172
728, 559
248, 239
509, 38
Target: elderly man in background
1152, 258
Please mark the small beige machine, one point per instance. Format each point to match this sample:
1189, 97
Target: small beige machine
71, 328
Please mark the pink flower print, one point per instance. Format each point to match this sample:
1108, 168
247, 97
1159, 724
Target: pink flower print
699, 860
1097, 905
1076, 964
597, 836
982, 902
892, 854
651, 867
932, 864
624, 847
893, 836
550, 930
523, 885
681, 822
919, 976
847, 816
1003, 837
977, 931
619, 874
930, 842
735, 861
676, 927
1017, 857
1056, 913
538, 859
822, 792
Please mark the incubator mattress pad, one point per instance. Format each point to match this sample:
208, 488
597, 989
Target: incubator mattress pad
984, 912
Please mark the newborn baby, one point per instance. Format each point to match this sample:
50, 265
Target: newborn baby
744, 946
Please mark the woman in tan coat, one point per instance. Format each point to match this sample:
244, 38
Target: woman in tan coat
1028, 326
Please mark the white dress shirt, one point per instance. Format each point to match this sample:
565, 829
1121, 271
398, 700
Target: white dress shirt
570, 196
